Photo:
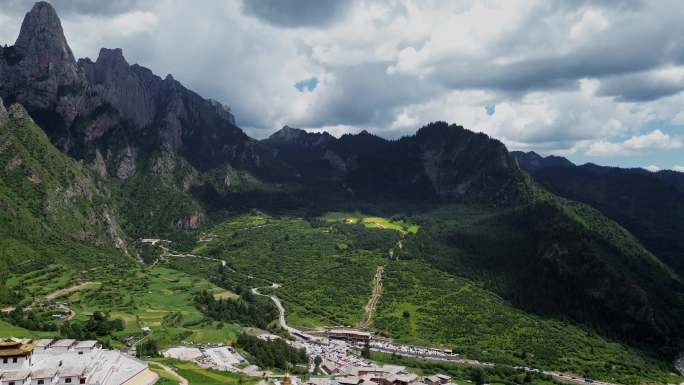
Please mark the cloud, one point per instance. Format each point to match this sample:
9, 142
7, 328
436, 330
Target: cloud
655, 140
644, 86
652, 168
564, 77
83, 7
678, 168
297, 13
134, 22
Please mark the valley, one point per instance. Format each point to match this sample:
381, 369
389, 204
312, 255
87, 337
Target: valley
136, 213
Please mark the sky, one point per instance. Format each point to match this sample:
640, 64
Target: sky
596, 81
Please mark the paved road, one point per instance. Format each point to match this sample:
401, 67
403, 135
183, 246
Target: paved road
281, 315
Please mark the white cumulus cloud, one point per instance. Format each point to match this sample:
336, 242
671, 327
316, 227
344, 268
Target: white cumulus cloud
655, 140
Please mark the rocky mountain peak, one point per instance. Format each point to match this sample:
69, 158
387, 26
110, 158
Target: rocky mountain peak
112, 59
42, 35
301, 137
531, 161
40, 64
287, 132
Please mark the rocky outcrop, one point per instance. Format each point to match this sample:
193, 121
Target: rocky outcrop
3, 114
109, 105
40, 67
465, 166
299, 137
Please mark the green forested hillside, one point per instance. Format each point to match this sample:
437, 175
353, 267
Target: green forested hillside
534, 280
325, 269
558, 258
51, 208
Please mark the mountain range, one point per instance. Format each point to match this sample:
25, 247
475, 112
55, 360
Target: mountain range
98, 154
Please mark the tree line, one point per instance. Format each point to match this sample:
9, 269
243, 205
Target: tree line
273, 354
247, 310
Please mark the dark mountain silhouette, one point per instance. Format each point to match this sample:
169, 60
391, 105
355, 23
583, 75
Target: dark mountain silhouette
650, 205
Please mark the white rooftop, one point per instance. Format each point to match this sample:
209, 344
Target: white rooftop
349, 331
14, 375
63, 343
43, 373
108, 367
44, 342
85, 344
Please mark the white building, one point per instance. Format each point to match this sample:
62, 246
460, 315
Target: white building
42, 344
14, 377
85, 346
69, 362
14, 354
43, 376
71, 376
62, 346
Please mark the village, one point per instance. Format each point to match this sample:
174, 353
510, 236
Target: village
340, 363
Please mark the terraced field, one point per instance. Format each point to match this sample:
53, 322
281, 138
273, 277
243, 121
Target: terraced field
159, 298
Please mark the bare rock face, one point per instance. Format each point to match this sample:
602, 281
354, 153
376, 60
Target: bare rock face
40, 67
18, 112
109, 105
3, 114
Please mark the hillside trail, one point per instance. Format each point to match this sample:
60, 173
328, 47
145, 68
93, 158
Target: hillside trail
369, 309
167, 252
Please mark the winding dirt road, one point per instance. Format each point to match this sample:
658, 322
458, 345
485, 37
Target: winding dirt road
374, 299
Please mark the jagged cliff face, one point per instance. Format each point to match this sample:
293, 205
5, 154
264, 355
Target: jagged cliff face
120, 117
123, 111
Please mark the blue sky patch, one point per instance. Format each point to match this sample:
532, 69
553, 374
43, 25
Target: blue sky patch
490, 109
307, 85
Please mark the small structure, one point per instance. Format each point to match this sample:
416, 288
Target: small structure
15, 377
432, 380
43, 376
62, 346
330, 367
85, 346
393, 369
14, 354
402, 379
43, 344
350, 335
349, 380
71, 376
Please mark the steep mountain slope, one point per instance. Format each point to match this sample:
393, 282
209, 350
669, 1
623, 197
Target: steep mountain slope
649, 205
439, 163
109, 107
545, 254
157, 137
51, 208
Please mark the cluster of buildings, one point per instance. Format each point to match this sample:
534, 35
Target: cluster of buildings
68, 362
380, 375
